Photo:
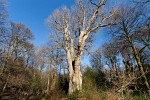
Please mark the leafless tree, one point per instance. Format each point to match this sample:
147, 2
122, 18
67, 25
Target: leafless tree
111, 53
56, 57
3, 17
128, 19
3, 22
96, 59
15, 42
73, 29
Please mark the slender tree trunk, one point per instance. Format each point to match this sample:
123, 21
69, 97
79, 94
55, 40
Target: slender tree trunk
53, 85
5, 63
143, 74
48, 84
114, 68
5, 84
138, 60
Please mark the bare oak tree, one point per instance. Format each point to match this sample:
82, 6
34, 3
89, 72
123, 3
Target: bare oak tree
15, 42
73, 30
126, 31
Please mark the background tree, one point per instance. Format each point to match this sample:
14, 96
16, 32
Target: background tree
111, 52
3, 18
98, 64
3, 21
128, 19
96, 59
15, 41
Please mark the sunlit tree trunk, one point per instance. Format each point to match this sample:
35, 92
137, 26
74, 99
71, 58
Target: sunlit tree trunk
74, 62
75, 77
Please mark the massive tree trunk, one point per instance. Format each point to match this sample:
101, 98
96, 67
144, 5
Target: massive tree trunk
74, 63
75, 76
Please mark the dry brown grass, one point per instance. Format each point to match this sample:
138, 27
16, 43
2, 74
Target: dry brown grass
111, 96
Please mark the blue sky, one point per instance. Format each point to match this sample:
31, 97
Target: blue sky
33, 13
